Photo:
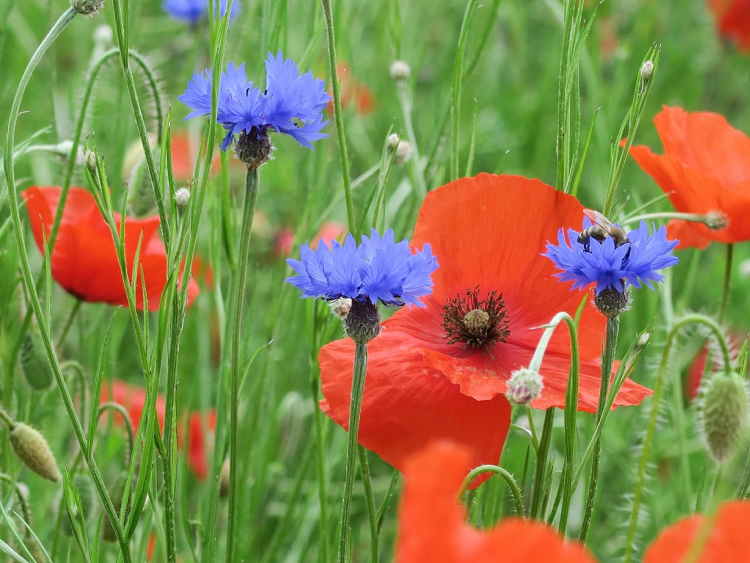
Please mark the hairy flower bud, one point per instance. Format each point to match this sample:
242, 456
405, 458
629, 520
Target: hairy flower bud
31, 447
524, 386
403, 153
85, 487
400, 71
33, 361
647, 70
724, 414
87, 7
392, 142
181, 198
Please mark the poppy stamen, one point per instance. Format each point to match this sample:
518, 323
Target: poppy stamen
474, 322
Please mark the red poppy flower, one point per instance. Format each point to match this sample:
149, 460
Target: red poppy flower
200, 425
488, 233
728, 541
432, 525
353, 93
84, 260
733, 20
705, 169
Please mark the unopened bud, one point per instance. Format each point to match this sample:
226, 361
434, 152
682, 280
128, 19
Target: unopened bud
87, 7
716, 220
33, 361
647, 70
181, 198
403, 153
224, 479
392, 142
88, 159
524, 386
85, 487
340, 308
724, 413
400, 70
643, 341
31, 447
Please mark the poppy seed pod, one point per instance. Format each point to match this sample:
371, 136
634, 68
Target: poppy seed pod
524, 386
34, 451
34, 365
724, 414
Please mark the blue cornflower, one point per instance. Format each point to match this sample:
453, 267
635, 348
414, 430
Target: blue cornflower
377, 269
291, 104
193, 11
608, 265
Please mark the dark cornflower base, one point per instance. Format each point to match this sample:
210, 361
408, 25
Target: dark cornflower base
362, 324
611, 302
254, 148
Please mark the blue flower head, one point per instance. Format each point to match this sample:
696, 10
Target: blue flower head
193, 11
291, 104
635, 261
377, 269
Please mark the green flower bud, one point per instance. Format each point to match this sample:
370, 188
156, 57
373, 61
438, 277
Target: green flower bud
34, 451
724, 412
85, 487
33, 361
524, 386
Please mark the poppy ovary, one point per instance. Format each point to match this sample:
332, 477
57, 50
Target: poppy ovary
362, 322
612, 302
254, 148
474, 322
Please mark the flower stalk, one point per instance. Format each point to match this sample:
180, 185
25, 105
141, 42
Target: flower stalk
248, 212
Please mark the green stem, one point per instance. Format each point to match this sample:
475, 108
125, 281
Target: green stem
364, 467
563, 98
458, 76
69, 323
692, 217
654, 412
251, 197
322, 484
540, 472
416, 171
28, 281
7, 419
727, 279
338, 116
514, 489
608, 360
355, 408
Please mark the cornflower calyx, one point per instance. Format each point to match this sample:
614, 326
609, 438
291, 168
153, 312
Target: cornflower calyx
476, 323
291, 104
524, 386
634, 261
87, 7
362, 323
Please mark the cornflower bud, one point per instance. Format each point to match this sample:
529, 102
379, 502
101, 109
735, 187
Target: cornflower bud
88, 159
31, 447
524, 386
393, 142
181, 198
724, 414
403, 153
34, 365
87, 7
400, 71
647, 70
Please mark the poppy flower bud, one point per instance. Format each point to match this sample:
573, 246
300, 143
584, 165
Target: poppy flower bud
393, 142
224, 479
87, 7
724, 414
85, 487
181, 198
141, 199
524, 386
716, 220
611, 302
362, 324
403, 153
647, 70
34, 365
340, 308
400, 71
34, 451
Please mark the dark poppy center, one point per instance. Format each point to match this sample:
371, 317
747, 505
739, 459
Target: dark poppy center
476, 323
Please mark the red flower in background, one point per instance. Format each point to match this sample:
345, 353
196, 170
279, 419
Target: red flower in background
728, 540
84, 260
353, 93
200, 425
733, 20
185, 155
432, 523
705, 169
488, 234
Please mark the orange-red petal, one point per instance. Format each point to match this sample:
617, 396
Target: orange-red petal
728, 540
733, 20
432, 526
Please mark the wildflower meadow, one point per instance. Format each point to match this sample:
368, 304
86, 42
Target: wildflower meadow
392, 281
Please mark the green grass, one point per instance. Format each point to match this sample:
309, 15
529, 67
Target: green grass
506, 122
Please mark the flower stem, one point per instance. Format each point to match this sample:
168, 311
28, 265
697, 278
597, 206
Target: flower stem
416, 171
540, 473
727, 279
322, 488
692, 217
251, 197
653, 415
608, 359
339, 118
514, 489
364, 467
355, 408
